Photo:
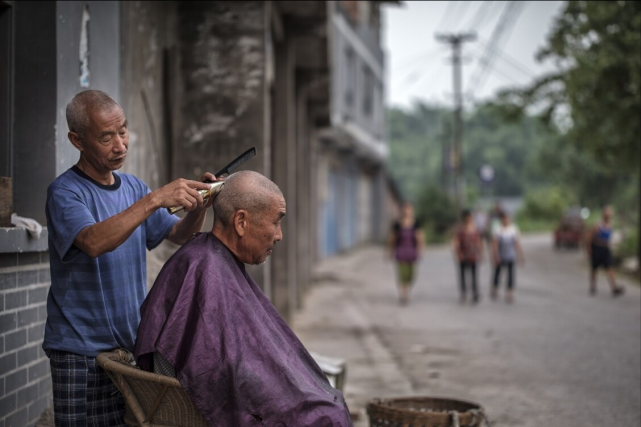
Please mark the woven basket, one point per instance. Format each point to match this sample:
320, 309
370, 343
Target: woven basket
424, 412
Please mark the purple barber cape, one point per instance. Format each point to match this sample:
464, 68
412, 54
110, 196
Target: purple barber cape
233, 353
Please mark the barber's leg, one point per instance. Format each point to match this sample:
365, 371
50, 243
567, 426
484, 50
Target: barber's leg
105, 403
82, 395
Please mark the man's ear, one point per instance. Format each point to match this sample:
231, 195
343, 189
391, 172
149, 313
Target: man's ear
241, 222
76, 141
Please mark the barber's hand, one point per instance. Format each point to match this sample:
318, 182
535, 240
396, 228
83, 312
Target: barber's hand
211, 178
181, 192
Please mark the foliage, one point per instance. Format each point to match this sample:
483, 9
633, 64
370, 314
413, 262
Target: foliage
419, 139
596, 45
629, 246
546, 204
437, 213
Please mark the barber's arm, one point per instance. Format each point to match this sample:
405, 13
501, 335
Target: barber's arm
107, 235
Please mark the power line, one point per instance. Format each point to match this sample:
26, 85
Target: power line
462, 12
483, 9
511, 61
406, 62
502, 28
492, 66
447, 14
423, 78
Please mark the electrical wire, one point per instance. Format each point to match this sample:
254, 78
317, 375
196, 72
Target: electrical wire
481, 12
461, 14
510, 61
447, 14
500, 34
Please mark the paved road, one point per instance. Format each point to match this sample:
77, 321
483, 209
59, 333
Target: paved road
556, 357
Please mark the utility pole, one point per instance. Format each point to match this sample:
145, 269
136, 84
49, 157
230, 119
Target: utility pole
456, 41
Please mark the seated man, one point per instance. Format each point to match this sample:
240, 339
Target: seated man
231, 351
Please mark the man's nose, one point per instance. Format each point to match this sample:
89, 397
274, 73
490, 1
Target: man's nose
120, 144
279, 234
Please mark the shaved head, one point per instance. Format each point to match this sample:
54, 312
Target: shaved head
246, 190
82, 105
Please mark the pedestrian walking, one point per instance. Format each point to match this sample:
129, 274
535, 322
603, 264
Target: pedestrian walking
506, 250
493, 219
405, 244
468, 247
598, 241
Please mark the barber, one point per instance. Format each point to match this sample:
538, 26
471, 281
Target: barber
100, 224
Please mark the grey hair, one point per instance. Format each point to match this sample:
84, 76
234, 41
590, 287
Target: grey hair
246, 190
82, 105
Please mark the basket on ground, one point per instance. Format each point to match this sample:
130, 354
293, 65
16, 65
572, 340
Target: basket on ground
424, 412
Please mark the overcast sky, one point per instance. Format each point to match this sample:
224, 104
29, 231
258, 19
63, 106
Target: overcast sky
418, 66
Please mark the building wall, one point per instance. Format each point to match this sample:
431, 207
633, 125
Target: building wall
46, 73
25, 381
357, 85
352, 203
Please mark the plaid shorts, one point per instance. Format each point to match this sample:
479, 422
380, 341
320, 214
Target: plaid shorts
83, 394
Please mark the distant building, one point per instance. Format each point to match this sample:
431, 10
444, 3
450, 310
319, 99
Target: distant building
200, 82
353, 148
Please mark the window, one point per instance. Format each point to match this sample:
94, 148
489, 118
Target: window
349, 77
368, 91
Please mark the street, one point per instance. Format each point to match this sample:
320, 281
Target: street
556, 357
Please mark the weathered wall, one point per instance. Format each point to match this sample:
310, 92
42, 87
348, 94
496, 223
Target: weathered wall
103, 63
222, 98
34, 123
47, 73
148, 88
222, 50
148, 51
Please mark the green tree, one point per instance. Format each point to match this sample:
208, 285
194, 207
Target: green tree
597, 46
596, 95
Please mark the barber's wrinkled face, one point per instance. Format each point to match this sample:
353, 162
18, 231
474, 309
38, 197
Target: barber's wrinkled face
106, 141
264, 231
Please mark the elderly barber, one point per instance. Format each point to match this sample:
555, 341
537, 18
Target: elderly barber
100, 224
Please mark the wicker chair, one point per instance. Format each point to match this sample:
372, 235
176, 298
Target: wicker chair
152, 400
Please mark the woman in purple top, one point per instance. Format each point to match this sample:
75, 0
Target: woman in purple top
405, 244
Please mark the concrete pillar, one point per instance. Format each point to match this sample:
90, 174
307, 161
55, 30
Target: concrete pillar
303, 194
284, 175
221, 97
380, 216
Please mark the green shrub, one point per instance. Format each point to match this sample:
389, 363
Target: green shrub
629, 246
437, 212
546, 204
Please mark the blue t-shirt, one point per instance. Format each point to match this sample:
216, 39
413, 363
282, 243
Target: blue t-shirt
94, 303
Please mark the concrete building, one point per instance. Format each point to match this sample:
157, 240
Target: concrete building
200, 82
